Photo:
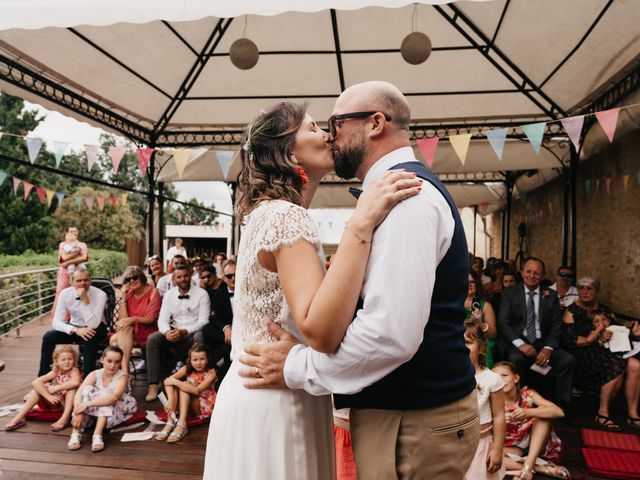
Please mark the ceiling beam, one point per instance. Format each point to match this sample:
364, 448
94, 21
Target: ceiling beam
336, 41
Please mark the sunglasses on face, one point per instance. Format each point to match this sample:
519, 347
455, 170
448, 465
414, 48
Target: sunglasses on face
129, 280
565, 275
336, 121
205, 277
229, 276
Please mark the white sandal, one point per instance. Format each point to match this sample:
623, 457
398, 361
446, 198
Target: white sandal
74, 441
97, 444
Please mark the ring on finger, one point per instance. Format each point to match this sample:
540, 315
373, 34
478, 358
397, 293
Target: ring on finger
257, 372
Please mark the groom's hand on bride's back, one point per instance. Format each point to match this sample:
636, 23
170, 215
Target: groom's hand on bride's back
263, 365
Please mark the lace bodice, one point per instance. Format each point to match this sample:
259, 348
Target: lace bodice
258, 295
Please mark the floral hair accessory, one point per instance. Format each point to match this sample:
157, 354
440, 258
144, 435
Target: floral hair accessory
303, 175
247, 145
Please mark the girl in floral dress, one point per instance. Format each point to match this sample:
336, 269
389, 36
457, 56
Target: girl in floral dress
191, 390
103, 397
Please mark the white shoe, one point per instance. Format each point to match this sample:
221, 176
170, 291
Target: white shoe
152, 392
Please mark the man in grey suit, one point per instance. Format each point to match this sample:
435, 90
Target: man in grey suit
529, 326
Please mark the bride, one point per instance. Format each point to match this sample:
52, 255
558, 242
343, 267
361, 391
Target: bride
288, 434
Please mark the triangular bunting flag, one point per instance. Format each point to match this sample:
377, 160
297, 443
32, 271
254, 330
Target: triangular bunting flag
59, 197
523, 197
550, 208
179, 215
427, 147
587, 186
460, 144
3, 176
42, 194
50, 195
27, 189
34, 144
78, 201
607, 184
534, 132
597, 184
89, 201
16, 184
608, 120
58, 150
144, 157
496, 139
100, 202
92, 154
181, 157
573, 127
625, 182
112, 200
116, 154
124, 197
225, 162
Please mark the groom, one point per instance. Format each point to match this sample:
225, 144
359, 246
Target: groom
402, 367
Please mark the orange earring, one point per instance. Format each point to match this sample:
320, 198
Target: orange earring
303, 175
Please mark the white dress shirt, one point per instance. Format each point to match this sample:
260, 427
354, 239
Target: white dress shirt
189, 313
536, 304
406, 249
569, 298
82, 315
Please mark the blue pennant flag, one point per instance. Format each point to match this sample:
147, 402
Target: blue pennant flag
496, 139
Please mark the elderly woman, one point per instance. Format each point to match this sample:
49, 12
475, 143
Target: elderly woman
596, 364
138, 315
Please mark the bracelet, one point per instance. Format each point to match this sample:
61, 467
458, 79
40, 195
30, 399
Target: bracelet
362, 240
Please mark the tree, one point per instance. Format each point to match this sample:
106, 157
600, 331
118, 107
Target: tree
194, 215
106, 229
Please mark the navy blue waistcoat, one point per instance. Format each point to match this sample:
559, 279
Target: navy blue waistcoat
440, 372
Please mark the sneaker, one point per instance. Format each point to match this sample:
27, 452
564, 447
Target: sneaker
178, 366
152, 392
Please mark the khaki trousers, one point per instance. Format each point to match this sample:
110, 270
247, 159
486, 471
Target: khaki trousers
434, 443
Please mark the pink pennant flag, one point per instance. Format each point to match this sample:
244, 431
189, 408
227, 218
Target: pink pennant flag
608, 120
144, 157
27, 189
42, 194
116, 154
625, 182
607, 183
112, 200
100, 202
16, 184
428, 148
92, 154
89, 201
573, 127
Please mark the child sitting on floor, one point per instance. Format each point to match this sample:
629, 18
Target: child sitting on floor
529, 431
194, 395
54, 390
103, 397
487, 462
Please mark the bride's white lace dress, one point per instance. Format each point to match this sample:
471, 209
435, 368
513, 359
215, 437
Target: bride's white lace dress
268, 434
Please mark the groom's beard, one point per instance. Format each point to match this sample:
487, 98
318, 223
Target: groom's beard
348, 160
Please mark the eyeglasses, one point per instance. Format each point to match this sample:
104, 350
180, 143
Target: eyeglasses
129, 279
333, 126
565, 275
229, 276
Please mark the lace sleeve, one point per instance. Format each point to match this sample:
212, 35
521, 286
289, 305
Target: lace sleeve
287, 226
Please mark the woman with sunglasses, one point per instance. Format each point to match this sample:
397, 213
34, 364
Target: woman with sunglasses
138, 314
598, 366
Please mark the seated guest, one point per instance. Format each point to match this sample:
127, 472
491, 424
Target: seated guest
176, 249
83, 305
478, 265
481, 311
197, 263
138, 315
509, 279
497, 272
599, 367
529, 326
166, 283
218, 262
567, 293
229, 277
217, 333
185, 310
156, 269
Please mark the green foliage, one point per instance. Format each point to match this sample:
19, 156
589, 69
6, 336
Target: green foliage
107, 262
196, 216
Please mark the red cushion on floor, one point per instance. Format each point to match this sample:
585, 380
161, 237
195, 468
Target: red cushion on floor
612, 463
43, 412
191, 421
619, 441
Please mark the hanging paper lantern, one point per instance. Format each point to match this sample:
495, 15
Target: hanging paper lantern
244, 54
415, 48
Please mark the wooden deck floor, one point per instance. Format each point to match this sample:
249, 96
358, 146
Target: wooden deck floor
34, 452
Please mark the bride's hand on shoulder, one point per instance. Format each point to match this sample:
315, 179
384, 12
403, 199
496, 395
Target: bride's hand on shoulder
383, 194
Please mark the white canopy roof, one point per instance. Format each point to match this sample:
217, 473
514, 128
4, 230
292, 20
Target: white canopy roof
159, 71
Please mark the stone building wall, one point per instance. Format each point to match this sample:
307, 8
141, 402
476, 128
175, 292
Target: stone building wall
608, 224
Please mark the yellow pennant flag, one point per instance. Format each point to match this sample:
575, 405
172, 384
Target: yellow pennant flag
460, 144
181, 157
124, 198
625, 182
50, 195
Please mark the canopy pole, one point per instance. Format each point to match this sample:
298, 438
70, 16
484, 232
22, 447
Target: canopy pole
502, 230
475, 219
575, 156
160, 217
150, 199
508, 226
566, 174
234, 251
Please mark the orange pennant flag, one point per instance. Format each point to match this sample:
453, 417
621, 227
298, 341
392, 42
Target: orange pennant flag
100, 202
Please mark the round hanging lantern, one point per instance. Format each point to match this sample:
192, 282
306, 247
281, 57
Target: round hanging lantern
244, 54
415, 48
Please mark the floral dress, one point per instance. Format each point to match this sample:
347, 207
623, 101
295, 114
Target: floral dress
518, 432
119, 412
207, 398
